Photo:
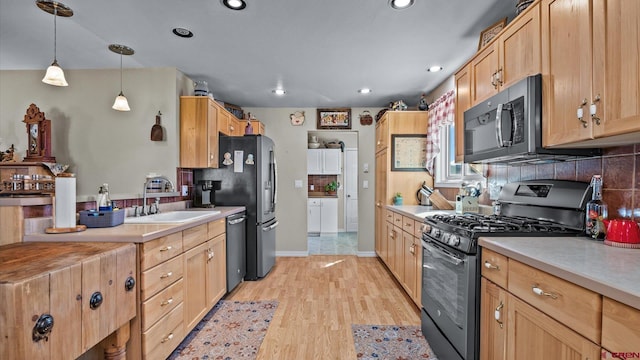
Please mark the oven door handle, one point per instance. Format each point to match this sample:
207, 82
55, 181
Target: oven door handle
442, 254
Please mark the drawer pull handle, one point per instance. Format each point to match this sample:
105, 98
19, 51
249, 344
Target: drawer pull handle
497, 316
130, 283
166, 302
412, 249
96, 300
42, 328
164, 276
407, 224
540, 292
166, 248
169, 337
489, 265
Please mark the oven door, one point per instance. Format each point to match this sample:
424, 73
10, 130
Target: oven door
450, 300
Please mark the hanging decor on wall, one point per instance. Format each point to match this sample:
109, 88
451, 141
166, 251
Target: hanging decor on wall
157, 132
366, 118
297, 118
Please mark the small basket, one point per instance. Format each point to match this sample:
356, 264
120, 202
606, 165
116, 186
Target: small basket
366, 118
100, 219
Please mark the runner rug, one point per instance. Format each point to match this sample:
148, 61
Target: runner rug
390, 342
231, 330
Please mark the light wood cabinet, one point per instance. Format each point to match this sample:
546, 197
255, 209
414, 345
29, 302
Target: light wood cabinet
198, 132
380, 201
216, 285
382, 134
620, 326
493, 321
590, 98
463, 102
533, 335
514, 55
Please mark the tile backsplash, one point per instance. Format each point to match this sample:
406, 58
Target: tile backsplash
619, 166
319, 181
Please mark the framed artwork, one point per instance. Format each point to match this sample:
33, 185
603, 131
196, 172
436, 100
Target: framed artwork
334, 118
489, 33
408, 152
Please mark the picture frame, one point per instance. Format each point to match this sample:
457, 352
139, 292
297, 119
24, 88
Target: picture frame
408, 152
489, 33
334, 119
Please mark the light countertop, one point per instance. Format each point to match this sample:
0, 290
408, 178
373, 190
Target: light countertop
610, 271
136, 233
320, 194
418, 212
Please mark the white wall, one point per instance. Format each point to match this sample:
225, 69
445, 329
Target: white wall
101, 145
291, 147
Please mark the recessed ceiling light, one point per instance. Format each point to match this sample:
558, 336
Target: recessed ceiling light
182, 32
400, 4
279, 91
364, 91
234, 4
434, 68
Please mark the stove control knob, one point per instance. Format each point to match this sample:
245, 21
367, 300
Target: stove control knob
445, 238
454, 240
435, 232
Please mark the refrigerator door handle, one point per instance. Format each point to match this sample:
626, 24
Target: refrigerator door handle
269, 228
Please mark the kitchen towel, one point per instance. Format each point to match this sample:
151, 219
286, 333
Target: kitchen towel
65, 201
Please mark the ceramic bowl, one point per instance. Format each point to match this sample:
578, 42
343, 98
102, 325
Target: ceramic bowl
314, 145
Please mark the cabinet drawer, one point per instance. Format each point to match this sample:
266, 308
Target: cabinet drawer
397, 220
620, 327
494, 267
576, 307
389, 216
216, 228
161, 303
417, 229
313, 202
156, 251
163, 337
408, 225
194, 236
160, 276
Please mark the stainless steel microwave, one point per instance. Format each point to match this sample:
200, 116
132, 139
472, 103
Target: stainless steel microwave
507, 128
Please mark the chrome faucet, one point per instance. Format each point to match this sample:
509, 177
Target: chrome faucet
144, 193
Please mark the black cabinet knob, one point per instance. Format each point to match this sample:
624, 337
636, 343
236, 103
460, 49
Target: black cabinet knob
43, 327
130, 283
96, 300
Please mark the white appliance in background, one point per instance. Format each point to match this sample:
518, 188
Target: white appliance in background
351, 190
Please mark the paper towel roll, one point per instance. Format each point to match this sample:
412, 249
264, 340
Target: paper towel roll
65, 201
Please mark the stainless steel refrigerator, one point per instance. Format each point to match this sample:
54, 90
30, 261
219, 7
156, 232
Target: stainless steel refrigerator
248, 177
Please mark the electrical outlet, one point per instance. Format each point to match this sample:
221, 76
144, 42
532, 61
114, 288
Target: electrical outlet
365, 184
185, 190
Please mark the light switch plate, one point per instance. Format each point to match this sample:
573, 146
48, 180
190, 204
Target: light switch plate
365, 184
185, 190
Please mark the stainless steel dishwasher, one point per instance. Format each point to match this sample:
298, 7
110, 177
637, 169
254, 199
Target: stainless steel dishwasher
236, 249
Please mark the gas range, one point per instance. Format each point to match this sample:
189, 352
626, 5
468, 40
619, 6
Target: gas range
528, 208
462, 231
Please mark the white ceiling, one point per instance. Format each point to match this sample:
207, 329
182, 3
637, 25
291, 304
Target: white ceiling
320, 51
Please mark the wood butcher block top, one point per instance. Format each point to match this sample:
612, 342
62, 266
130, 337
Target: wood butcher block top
22, 261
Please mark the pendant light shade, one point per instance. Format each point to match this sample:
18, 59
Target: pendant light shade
55, 75
121, 103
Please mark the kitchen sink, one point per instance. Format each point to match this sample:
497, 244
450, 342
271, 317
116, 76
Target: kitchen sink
171, 217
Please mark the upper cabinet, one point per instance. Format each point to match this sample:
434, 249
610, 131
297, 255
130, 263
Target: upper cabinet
198, 132
515, 54
324, 161
591, 96
463, 102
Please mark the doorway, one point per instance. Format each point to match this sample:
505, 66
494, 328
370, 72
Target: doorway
332, 220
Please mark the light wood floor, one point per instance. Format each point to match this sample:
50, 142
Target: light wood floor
319, 298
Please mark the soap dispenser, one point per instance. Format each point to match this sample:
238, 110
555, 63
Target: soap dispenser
103, 200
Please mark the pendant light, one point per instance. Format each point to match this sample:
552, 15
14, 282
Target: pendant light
121, 103
55, 75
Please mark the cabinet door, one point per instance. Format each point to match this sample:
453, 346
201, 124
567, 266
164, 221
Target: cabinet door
409, 261
417, 242
331, 162
198, 146
382, 133
566, 79
380, 194
398, 254
463, 103
519, 54
313, 215
212, 134
329, 216
493, 321
194, 279
532, 335
314, 161
216, 270
616, 73
484, 67
224, 119
392, 238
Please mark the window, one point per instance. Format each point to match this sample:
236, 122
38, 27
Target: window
448, 172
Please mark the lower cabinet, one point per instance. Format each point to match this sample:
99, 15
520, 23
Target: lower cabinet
537, 315
322, 215
182, 276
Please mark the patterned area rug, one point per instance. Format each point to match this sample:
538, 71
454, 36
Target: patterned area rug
390, 342
231, 330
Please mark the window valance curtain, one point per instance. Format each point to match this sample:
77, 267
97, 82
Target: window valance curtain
441, 114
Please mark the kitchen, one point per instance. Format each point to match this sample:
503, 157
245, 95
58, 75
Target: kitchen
85, 125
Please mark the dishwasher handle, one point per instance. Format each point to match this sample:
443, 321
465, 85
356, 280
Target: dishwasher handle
269, 228
237, 220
